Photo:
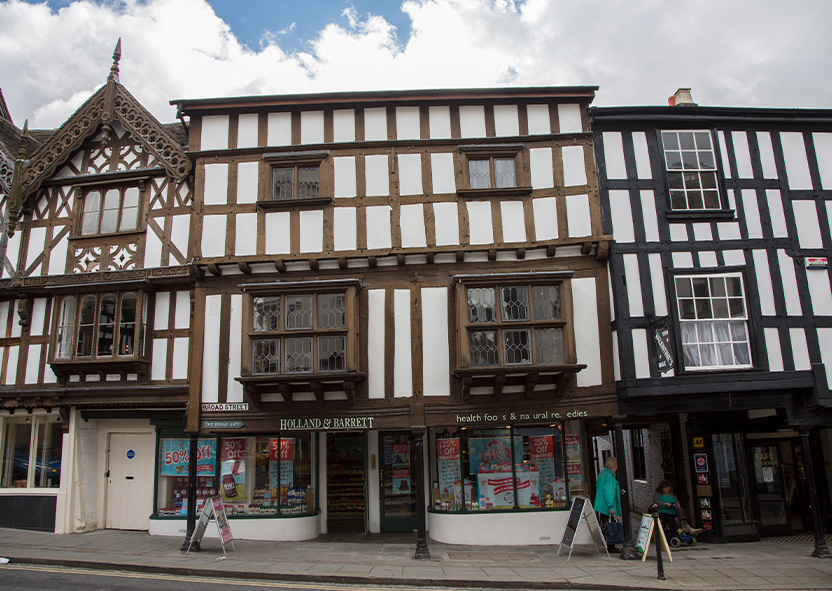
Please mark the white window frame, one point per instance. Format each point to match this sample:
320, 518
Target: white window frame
688, 173
697, 322
132, 223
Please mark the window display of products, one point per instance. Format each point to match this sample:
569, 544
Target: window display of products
252, 475
507, 468
172, 492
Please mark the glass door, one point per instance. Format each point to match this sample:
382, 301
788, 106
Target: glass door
732, 480
397, 480
769, 489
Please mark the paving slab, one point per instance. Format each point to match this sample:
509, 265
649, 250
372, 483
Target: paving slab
787, 564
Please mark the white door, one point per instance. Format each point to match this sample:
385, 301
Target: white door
131, 461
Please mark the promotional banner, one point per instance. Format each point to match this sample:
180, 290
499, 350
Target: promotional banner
401, 468
175, 457
233, 468
574, 464
541, 453
450, 471
286, 463
496, 490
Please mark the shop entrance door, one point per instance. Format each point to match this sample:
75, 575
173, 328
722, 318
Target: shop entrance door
346, 485
396, 481
130, 466
769, 489
779, 479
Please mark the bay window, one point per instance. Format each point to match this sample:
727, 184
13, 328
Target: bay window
515, 324
100, 326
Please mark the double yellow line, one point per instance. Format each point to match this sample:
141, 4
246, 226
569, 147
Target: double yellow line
206, 580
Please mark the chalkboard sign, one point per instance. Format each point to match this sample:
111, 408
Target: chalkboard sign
213, 508
581, 512
575, 514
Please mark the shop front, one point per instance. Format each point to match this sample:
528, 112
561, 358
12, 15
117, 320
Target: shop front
752, 485
507, 478
486, 480
316, 475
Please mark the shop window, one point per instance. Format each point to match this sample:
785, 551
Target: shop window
266, 475
638, 454
100, 326
172, 490
106, 211
691, 170
713, 321
305, 333
30, 448
515, 325
507, 468
252, 475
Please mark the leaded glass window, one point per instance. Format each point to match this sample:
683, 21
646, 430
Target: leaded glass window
298, 333
518, 331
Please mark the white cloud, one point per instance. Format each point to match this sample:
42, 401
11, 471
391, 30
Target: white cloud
743, 53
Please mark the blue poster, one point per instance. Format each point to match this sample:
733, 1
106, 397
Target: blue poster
174, 457
493, 453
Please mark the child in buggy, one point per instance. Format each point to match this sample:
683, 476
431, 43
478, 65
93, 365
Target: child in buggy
676, 529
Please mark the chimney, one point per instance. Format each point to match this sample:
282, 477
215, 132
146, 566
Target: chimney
682, 98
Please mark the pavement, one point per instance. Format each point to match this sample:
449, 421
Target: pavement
782, 564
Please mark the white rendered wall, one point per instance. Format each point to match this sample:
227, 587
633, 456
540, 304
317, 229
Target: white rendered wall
436, 356
502, 529
375, 342
343, 125
286, 529
587, 340
402, 364
215, 132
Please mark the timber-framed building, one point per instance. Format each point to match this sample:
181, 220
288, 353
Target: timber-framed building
315, 306
722, 301
391, 280
94, 312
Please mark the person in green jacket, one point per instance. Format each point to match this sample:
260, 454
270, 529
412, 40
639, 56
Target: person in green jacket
608, 494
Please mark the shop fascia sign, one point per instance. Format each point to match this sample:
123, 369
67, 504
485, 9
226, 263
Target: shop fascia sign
324, 424
502, 417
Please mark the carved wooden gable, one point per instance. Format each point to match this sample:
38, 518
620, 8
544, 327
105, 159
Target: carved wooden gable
109, 191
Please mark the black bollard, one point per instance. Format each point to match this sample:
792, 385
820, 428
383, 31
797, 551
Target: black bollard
657, 527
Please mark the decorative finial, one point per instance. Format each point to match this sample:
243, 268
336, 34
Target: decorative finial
116, 58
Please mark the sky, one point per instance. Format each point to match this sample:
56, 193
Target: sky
757, 53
